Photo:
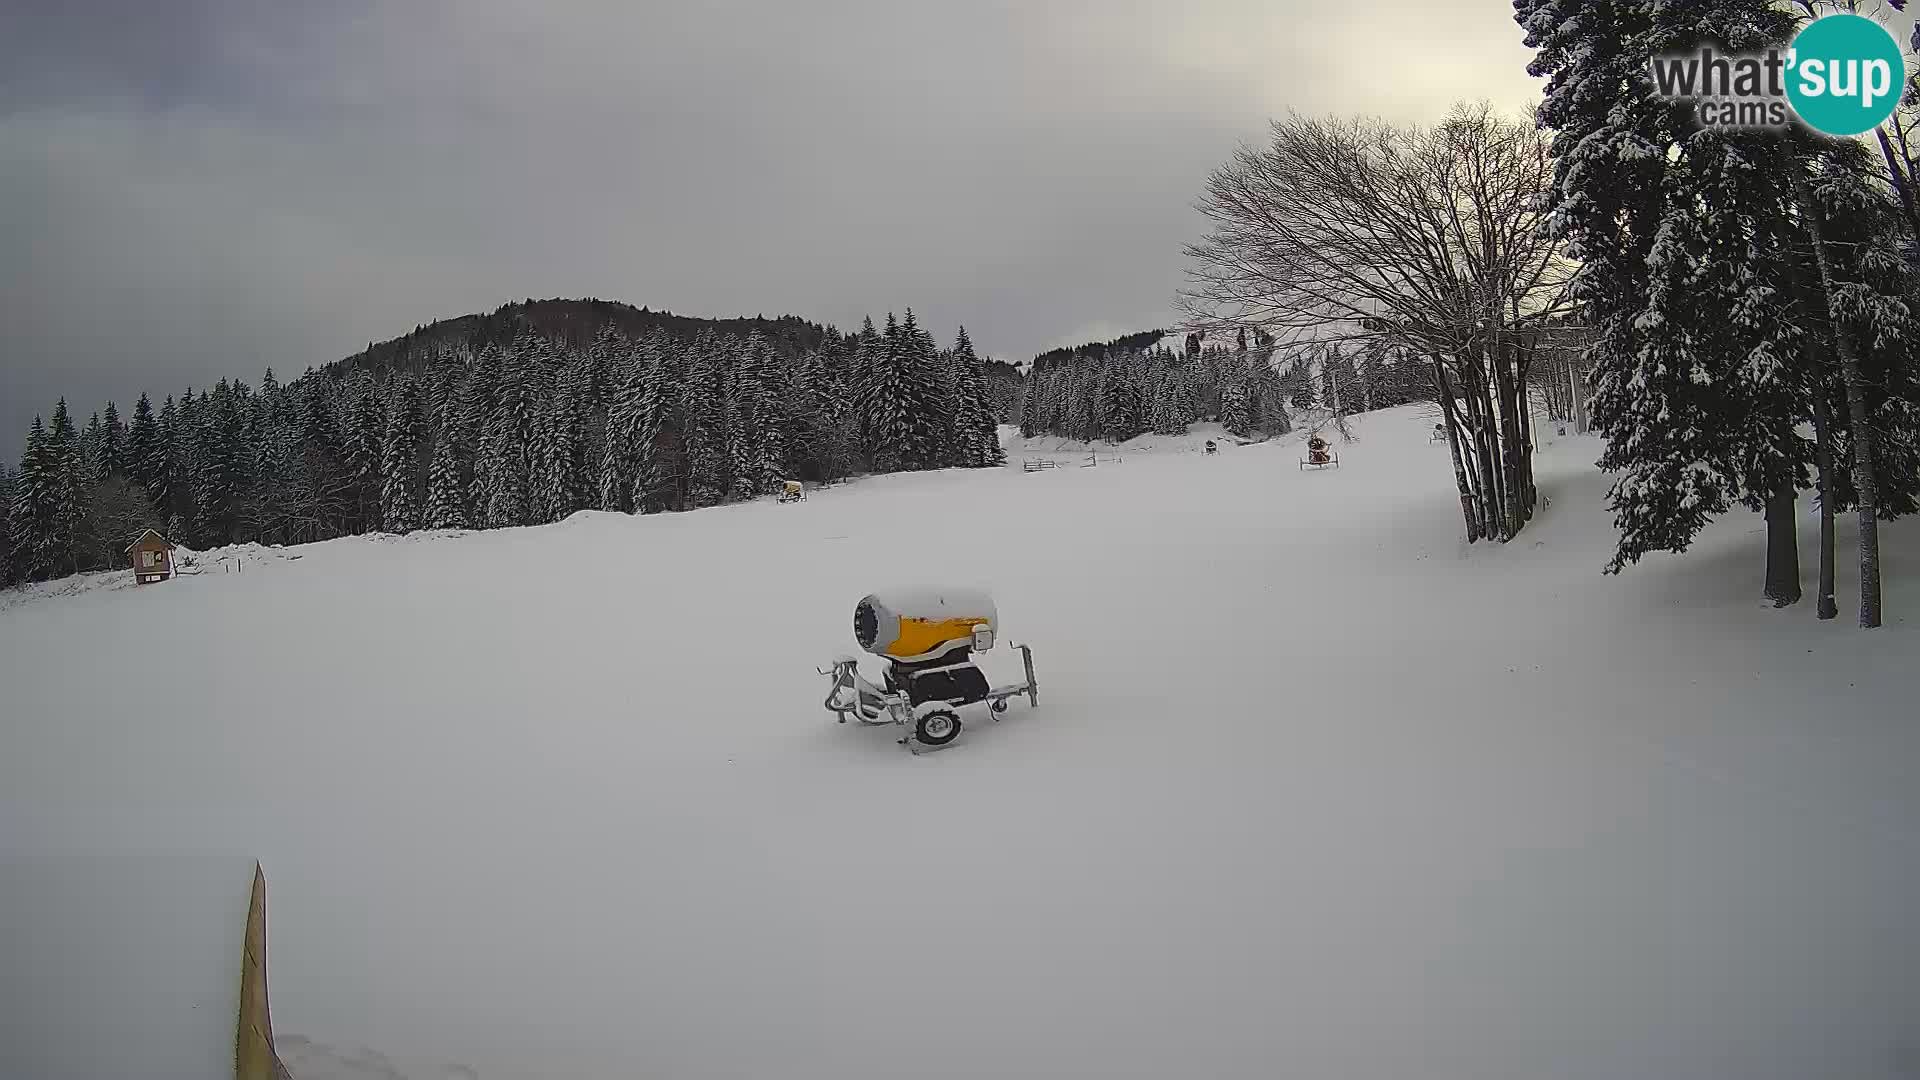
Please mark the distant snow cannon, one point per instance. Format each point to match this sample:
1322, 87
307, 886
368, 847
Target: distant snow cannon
928, 637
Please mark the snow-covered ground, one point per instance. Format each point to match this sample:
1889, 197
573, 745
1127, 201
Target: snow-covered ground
1313, 789
1067, 452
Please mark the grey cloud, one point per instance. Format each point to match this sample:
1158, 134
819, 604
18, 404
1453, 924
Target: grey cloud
204, 189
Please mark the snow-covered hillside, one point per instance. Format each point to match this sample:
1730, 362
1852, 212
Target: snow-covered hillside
1312, 790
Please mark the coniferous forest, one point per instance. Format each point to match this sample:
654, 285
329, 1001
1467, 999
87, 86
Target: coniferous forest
518, 418
1113, 394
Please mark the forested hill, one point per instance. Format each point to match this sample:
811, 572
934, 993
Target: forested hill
1098, 350
571, 323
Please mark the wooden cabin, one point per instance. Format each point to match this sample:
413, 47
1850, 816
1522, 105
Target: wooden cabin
152, 556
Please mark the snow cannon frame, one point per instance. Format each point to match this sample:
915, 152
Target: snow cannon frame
927, 637
1320, 454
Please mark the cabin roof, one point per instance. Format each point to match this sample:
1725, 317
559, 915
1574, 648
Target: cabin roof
142, 538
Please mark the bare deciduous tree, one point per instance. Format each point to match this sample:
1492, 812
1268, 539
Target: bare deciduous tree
1427, 240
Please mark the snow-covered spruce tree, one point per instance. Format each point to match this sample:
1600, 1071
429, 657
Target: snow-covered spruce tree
220, 477
446, 486
1168, 415
319, 484
269, 458
362, 426
35, 509
662, 473
169, 489
757, 400
948, 421
478, 396
63, 454
503, 465
1861, 367
400, 501
918, 379
113, 445
146, 453
977, 429
1083, 410
8, 488
1032, 405
827, 420
887, 398
1122, 411
866, 360
1673, 226
703, 409
619, 446
1233, 407
543, 463
559, 454
93, 450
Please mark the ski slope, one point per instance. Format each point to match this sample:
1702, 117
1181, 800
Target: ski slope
1313, 789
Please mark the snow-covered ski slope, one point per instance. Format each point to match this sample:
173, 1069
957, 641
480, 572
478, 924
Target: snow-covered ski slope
1313, 789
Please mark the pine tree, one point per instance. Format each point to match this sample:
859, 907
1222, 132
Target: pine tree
63, 456
1169, 414
703, 406
146, 451
33, 520
446, 485
270, 509
114, 444
9, 488
362, 427
558, 458
1121, 408
502, 472
918, 378
883, 399
658, 433
93, 453
621, 452
1683, 235
400, 509
976, 424
216, 468
761, 415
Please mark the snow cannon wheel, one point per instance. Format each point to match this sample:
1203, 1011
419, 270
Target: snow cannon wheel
937, 727
999, 705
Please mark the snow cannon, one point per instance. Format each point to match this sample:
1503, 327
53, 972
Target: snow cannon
928, 637
913, 625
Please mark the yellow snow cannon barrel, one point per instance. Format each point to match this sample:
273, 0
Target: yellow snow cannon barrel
921, 624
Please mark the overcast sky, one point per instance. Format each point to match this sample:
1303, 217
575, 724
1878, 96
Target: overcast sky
192, 189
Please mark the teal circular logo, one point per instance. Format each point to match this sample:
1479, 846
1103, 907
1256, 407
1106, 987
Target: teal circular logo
1845, 74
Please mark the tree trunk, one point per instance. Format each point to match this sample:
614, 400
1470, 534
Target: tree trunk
1783, 549
1468, 511
1530, 494
1518, 428
1510, 446
1486, 448
1863, 479
1824, 605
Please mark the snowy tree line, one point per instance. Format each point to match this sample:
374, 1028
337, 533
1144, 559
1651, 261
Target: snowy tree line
1128, 387
1116, 394
516, 434
1750, 295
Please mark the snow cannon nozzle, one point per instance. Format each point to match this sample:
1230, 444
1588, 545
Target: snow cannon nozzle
923, 623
